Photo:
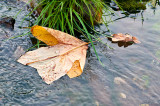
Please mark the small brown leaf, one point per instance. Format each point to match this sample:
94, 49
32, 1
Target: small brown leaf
124, 38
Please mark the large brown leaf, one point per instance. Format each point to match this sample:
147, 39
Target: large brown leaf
66, 55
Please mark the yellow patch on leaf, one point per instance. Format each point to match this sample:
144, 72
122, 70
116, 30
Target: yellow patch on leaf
75, 71
43, 35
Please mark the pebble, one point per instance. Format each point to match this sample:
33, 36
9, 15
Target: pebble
122, 95
119, 80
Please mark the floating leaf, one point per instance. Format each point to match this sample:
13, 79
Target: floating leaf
124, 38
66, 55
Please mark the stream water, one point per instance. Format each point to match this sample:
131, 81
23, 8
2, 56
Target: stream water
130, 76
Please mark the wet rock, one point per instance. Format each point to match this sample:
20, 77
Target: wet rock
7, 22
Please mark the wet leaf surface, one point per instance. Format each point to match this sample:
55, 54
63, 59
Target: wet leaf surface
66, 55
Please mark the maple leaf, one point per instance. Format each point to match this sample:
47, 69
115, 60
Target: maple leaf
66, 54
124, 38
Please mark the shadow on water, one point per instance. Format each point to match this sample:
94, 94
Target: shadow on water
121, 43
129, 76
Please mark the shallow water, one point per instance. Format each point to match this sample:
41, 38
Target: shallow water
132, 71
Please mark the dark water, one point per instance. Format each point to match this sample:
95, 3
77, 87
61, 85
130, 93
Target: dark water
129, 77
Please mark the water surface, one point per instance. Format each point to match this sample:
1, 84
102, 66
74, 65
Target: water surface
136, 67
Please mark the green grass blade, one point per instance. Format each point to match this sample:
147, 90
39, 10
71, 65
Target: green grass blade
90, 39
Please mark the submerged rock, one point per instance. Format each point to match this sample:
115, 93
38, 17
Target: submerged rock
122, 95
119, 80
7, 22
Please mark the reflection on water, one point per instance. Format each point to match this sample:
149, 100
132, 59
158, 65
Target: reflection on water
121, 43
129, 76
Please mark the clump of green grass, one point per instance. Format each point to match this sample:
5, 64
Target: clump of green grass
70, 16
